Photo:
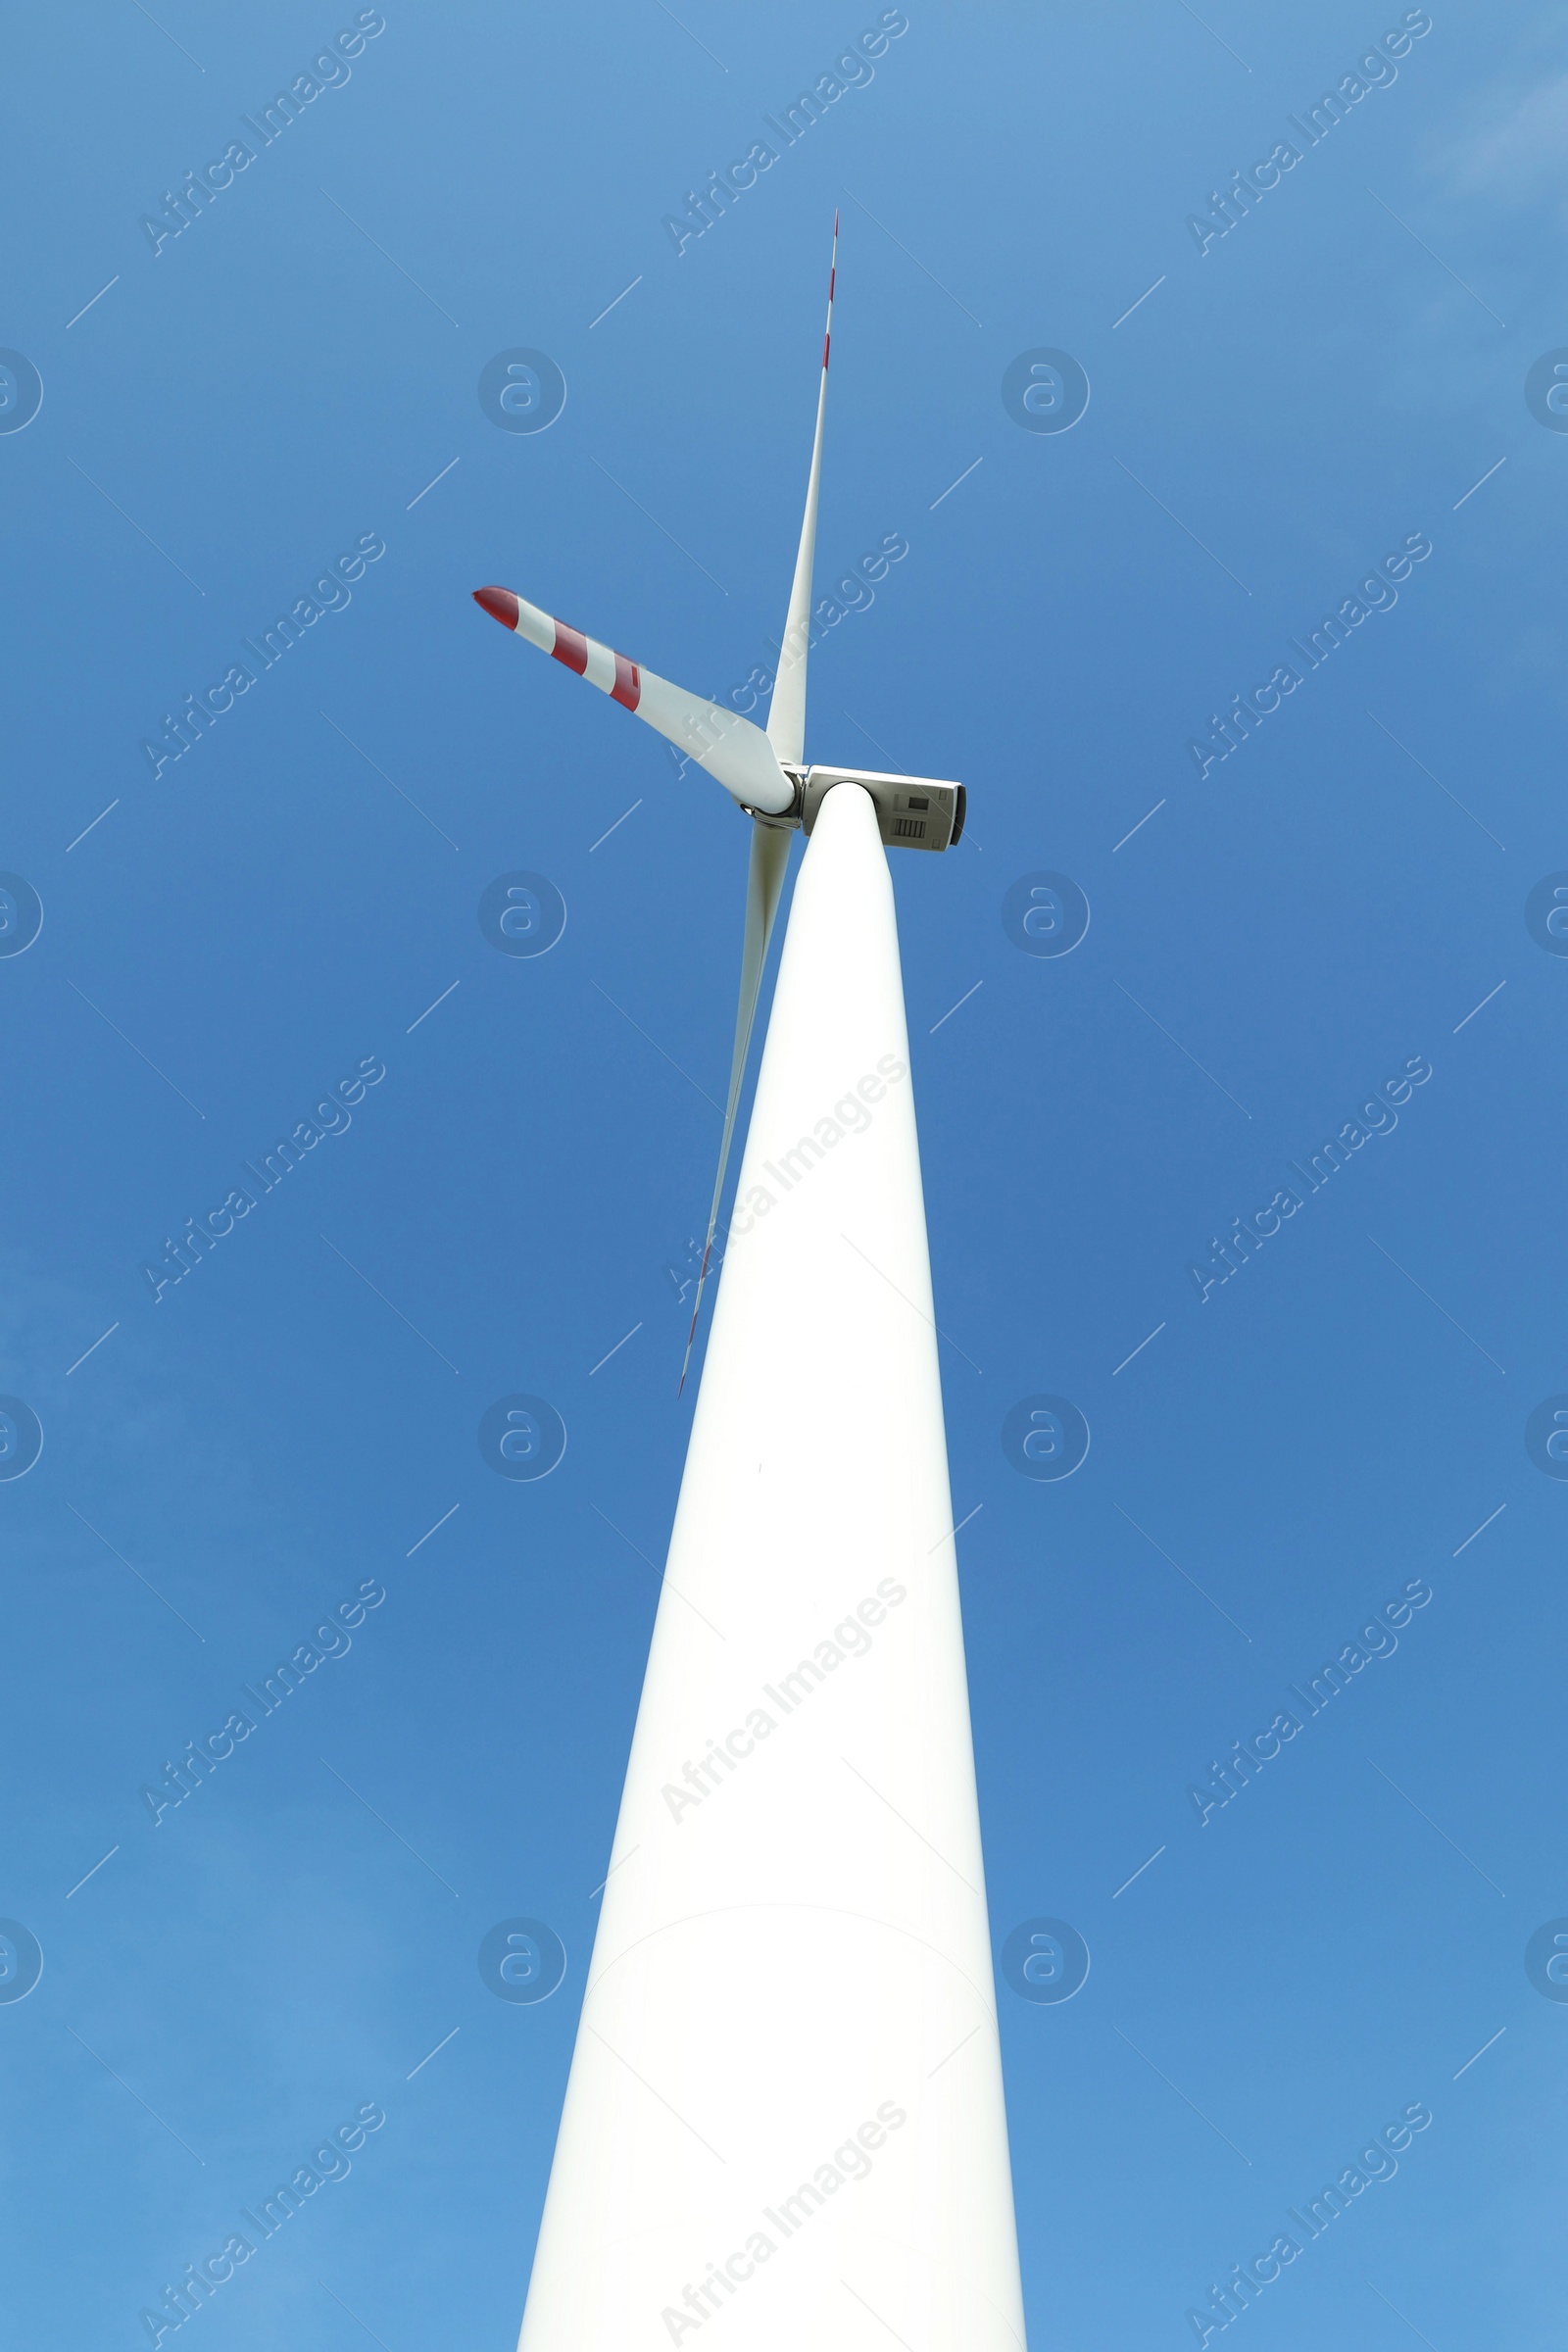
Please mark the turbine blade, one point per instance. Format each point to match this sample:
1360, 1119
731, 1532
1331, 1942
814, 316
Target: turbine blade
786, 718
765, 880
734, 752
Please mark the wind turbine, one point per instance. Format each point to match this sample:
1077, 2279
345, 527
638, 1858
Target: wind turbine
784, 2120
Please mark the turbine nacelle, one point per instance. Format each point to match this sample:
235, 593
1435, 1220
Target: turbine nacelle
912, 812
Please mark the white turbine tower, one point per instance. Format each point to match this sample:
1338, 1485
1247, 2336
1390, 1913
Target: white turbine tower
784, 2124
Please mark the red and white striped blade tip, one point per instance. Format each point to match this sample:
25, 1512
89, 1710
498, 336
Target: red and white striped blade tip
500, 603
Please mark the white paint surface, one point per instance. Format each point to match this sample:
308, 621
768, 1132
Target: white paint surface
804, 1948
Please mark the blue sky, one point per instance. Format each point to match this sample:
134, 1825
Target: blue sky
294, 903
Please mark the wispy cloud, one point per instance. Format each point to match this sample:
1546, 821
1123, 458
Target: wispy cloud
1514, 149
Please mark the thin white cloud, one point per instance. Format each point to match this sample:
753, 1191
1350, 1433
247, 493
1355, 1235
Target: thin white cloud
1516, 150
